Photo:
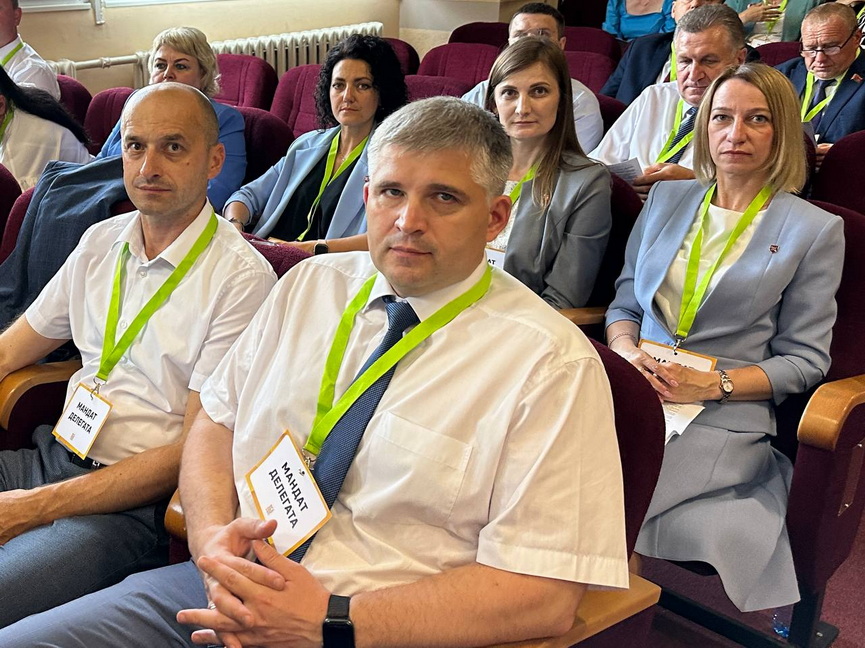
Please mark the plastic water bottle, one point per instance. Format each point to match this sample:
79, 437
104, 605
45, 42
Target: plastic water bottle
781, 621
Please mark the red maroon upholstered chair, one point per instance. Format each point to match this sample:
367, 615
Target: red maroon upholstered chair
294, 101
611, 110
592, 39
103, 113
469, 62
823, 432
487, 33
407, 55
9, 192
267, 139
590, 68
13, 222
246, 81
775, 53
423, 87
282, 257
74, 96
841, 178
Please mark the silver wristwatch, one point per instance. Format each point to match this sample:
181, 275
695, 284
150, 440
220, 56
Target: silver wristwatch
726, 386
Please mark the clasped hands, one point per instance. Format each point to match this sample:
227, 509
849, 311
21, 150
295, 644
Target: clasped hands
274, 604
657, 172
673, 383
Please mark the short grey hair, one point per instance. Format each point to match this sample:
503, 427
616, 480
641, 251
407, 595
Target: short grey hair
825, 12
447, 123
713, 15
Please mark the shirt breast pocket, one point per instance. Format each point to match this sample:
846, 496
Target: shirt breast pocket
406, 473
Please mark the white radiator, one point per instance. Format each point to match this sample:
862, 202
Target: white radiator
284, 51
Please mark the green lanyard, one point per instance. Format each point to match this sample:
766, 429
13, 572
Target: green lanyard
669, 150
328, 413
330, 176
6, 121
111, 352
808, 115
673, 72
771, 25
692, 294
9, 56
861, 13
518, 189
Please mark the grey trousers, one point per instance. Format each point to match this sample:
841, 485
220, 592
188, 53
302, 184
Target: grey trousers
52, 564
136, 613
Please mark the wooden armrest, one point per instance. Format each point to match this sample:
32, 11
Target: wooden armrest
585, 316
16, 384
827, 411
598, 611
175, 523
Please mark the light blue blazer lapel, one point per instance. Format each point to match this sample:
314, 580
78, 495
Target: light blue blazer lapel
350, 216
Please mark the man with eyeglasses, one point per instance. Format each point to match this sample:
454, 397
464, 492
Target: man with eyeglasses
539, 19
829, 74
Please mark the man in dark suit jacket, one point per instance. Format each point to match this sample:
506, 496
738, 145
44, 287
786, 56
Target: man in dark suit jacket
649, 57
830, 42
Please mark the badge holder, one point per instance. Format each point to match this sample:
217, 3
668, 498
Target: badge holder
82, 419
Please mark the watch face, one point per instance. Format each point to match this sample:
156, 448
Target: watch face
338, 633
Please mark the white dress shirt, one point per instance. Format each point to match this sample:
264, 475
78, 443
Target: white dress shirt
178, 347
28, 68
644, 128
494, 442
31, 142
587, 111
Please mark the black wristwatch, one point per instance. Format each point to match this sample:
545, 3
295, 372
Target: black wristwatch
337, 629
321, 248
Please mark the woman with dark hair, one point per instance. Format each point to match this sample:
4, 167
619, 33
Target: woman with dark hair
560, 220
35, 129
314, 195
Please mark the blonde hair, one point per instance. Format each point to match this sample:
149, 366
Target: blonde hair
193, 42
786, 162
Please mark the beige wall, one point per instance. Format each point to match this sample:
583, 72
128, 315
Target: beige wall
73, 34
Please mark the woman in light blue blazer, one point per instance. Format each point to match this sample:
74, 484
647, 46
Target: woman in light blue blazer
560, 221
766, 317
313, 197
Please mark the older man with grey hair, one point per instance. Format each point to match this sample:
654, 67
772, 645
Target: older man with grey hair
657, 127
435, 480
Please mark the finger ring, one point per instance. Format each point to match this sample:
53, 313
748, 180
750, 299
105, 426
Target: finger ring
211, 606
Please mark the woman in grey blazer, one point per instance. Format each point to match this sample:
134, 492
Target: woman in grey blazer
314, 195
560, 221
765, 317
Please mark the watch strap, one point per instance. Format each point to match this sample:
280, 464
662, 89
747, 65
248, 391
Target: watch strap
337, 629
726, 386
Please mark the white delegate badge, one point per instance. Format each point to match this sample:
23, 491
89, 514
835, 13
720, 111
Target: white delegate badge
284, 490
82, 420
496, 258
665, 353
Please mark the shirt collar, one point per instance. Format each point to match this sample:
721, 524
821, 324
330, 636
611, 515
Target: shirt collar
425, 305
179, 247
10, 46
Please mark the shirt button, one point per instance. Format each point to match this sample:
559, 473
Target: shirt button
123, 324
142, 273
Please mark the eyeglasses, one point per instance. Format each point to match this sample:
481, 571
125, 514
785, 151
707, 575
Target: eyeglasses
832, 50
541, 32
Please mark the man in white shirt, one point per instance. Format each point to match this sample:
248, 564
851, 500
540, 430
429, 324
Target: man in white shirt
21, 62
538, 19
72, 522
654, 129
473, 497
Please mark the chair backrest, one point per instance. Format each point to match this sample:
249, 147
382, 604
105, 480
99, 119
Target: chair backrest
775, 53
640, 432
246, 81
487, 33
407, 55
267, 139
13, 223
422, 86
103, 113
841, 177
592, 39
294, 100
469, 62
74, 96
625, 206
9, 192
590, 68
611, 110
282, 257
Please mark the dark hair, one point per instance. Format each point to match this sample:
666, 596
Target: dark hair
387, 76
545, 9
41, 104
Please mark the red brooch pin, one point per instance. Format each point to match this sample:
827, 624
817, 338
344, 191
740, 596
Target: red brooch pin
856, 78
773, 249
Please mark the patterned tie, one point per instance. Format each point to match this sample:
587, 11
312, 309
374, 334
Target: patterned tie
822, 86
340, 446
685, 127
